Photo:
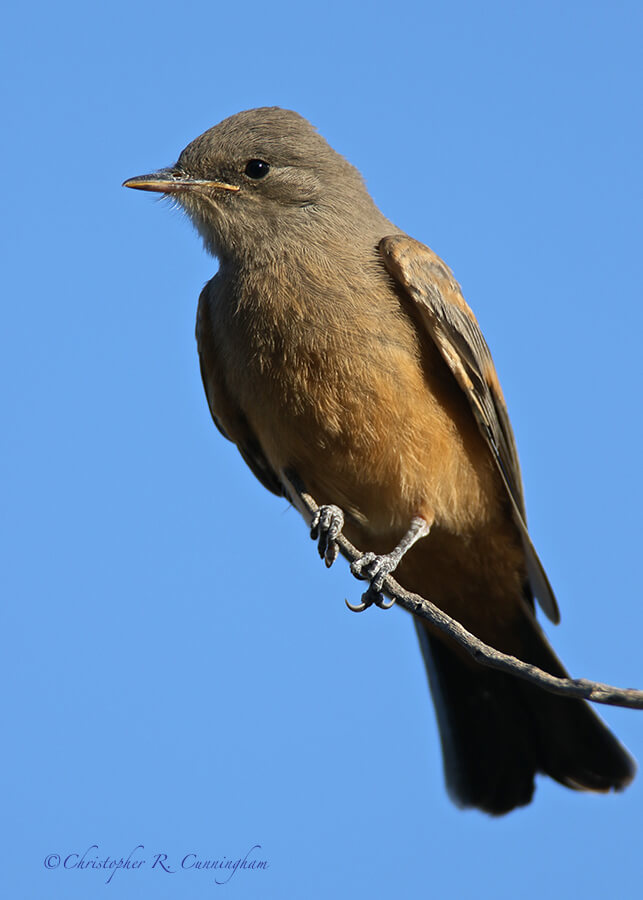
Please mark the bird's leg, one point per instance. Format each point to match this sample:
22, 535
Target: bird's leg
375, 568
326, 524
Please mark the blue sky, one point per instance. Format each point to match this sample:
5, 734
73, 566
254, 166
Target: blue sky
180, 671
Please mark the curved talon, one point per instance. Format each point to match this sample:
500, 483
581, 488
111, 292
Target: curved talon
384, 605
359, 607
370, 598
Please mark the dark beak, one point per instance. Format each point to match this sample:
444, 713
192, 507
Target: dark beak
172, 181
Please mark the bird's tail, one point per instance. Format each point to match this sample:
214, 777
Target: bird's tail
498, 731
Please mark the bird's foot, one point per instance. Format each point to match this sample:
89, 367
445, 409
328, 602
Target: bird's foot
326, 525
373, 568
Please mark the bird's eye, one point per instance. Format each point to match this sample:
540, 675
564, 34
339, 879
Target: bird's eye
257, 168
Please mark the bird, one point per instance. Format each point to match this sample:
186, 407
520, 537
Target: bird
341, 358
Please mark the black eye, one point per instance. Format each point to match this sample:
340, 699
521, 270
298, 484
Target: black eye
257, 168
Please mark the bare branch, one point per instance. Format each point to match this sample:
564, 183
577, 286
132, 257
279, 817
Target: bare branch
482, 653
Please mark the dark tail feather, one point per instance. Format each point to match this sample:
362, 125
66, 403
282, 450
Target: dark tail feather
498, 731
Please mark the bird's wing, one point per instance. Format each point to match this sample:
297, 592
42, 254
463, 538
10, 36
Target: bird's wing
436, 295
227, 416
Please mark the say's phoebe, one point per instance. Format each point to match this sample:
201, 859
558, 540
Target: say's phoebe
339, 354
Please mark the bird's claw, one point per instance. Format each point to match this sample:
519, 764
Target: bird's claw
370, 598
373, 568
325, 527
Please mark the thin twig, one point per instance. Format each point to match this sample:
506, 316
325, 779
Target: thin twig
482, 653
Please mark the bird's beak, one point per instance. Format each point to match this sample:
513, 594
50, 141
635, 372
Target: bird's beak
172, 181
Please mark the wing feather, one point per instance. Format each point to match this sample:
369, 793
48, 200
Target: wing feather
227, 416
450, 323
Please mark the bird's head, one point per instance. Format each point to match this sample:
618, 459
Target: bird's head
264, 181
